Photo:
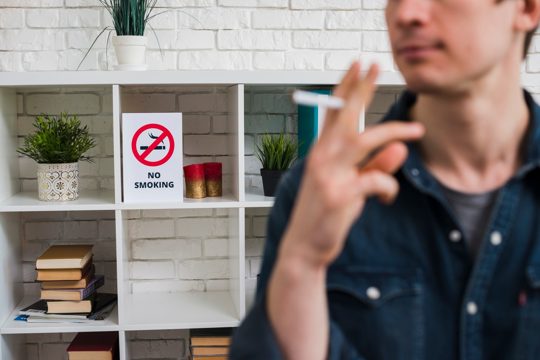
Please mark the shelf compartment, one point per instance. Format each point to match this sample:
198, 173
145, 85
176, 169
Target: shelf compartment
18, 175
180, 310
88, 200
212, 119
34, 232
12, 326
181, 268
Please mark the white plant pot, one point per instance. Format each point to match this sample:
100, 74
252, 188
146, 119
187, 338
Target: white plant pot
58, 182
130, 52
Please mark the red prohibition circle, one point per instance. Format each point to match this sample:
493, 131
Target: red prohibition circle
142, 156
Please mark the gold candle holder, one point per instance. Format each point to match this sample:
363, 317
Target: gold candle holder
195, 182
213, 176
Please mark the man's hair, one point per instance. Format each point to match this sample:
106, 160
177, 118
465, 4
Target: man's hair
528, 40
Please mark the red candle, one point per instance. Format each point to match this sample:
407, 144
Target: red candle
213, 176
195, 181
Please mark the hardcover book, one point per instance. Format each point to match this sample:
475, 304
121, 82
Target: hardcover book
64, 257
212, 336
209, 350
74, 294
70, 284
94, 346
310, 123
63, 274
69, 307
101, 301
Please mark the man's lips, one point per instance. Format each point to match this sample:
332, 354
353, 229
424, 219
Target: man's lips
418, 51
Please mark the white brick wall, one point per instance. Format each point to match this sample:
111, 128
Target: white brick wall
168, 249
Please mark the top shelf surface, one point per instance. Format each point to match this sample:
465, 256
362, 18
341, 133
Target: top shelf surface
178, 77
47, 78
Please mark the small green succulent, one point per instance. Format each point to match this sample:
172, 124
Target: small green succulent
277, 152
57, 140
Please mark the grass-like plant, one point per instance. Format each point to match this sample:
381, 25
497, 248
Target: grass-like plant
130, 16
277, 152
57, 140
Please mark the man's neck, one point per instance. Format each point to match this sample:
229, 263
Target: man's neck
473, 140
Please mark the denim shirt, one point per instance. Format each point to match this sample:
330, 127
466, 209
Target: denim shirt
405, 285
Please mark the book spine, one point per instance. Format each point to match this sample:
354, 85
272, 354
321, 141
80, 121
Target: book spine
92, 287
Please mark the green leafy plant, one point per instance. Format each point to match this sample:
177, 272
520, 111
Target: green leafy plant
277, 152
57, 139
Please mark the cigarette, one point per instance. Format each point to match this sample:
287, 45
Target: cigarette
314, 99
325, 101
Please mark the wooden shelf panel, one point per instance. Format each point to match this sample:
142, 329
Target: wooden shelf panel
225, 201
153, 77
257, 200
12, 326
182, 310
88, 200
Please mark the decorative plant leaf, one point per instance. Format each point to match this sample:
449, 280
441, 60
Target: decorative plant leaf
129, 16
277, 152
57, 140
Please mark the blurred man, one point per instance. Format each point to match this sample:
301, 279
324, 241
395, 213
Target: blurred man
431, 249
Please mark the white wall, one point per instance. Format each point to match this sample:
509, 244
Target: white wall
199, 34
44, 35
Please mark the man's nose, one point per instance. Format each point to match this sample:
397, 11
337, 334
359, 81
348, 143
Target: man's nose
410, 12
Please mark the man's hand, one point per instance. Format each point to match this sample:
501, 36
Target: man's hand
334, 188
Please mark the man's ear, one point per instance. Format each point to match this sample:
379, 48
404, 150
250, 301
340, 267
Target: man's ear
528, 15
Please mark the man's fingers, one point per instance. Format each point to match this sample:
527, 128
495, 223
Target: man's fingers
344, 87
377, 183
387, 160
378, 136
368, 86
357, 100
348, 80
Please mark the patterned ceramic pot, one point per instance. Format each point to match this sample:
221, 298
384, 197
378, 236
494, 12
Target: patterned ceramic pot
58, 182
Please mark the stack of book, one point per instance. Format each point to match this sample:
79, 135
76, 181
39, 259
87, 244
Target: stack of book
94, 346
68, 286
210, 344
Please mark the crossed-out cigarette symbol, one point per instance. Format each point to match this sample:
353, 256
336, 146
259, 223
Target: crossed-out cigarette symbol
158, 147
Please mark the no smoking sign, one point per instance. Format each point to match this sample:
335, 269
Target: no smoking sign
152, 159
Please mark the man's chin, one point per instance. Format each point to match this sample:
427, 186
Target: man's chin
424, 85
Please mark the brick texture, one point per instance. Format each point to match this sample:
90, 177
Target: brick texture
179, 250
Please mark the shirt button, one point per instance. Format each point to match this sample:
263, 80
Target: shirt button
472, 308
454, 236
415, 172
373, 293
496, 238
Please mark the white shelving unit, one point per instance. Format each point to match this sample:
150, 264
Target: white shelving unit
135, 311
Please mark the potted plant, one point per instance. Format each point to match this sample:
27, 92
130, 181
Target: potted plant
130, 18
276, 154
57, 145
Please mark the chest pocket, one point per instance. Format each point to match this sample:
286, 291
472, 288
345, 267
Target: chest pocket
529, 323
379, 311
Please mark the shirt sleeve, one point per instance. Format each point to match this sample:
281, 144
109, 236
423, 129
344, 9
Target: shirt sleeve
255, 338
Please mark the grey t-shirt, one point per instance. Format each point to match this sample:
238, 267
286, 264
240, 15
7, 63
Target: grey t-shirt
473, 212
